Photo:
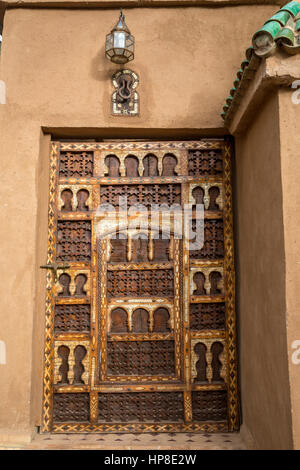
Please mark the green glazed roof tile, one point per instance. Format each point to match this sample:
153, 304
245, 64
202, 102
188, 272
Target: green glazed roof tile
282, 31
239, 73
291, 7
287, 36
297, 27
282, 17
244, 64
249, 53
271, 29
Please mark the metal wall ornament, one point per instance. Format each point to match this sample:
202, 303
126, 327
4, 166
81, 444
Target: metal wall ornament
125, 100
119, 45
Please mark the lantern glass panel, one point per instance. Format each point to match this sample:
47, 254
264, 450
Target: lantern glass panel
119, 52
119, 39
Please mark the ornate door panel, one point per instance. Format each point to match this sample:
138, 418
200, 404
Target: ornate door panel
140, 324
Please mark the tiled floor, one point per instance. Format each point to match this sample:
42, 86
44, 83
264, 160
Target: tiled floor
162, 441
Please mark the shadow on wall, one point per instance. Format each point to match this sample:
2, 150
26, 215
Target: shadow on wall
194, 109
98, 70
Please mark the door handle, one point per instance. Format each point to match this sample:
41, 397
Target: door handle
55, 267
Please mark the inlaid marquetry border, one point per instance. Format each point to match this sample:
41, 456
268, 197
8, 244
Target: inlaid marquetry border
50, 292
147, 145
139, 427
229, 279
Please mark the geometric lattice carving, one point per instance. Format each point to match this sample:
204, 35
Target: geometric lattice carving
74, 240
141, 194
78, 164
213, 247
140, 283
140, 407
71, 407
72, 318
209, 405
207, 316
141, 358
205, 163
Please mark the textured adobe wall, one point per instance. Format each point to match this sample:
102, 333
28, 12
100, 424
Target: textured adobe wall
56, 76
18, 233
290, 164
261, 282
54, 65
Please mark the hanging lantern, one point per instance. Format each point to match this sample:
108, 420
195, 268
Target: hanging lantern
119, 46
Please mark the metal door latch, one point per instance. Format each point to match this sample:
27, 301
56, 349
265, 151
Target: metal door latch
55, 267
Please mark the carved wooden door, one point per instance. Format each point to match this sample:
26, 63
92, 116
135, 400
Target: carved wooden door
140, 329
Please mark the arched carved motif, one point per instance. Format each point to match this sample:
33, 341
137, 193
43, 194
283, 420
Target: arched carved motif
150, 163
214, 278
80, 281
82, 197
199, 280
161, 319
132, 166
119, 321
64, 281
169, 165
63, 352
214, 193
113, 164
140, 321
198, 194
216, 349
67, 196
201, 364
79, 354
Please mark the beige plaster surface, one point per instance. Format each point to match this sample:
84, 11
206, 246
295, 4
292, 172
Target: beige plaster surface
18, 193
261, 281
56, 73
290, 163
